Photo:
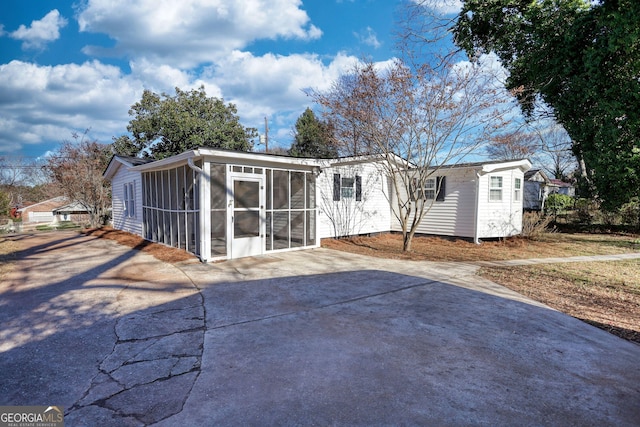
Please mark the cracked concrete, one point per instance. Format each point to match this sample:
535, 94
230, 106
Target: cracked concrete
135, 326
313, 337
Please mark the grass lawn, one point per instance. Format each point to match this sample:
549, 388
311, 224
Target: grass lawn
604, 294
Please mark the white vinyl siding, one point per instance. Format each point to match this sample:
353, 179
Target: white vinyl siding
499, 218
366, 211
454, 215
129, 179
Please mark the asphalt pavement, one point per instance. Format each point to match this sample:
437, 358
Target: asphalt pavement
313, 337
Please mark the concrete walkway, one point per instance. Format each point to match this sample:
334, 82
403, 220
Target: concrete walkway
533, 261
300, 338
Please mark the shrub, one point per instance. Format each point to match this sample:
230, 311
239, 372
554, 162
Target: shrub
558, 202
630, 213
535, 224
586, 210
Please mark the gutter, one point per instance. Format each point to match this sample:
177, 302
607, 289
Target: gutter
476, 214
204, 181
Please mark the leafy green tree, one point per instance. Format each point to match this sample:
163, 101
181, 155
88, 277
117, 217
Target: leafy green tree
312, 138
125, 146
5, 205
580, 57
165, 125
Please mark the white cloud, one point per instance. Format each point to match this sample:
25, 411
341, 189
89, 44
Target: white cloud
40, 32
447, 7
192, 32
272, 85
368, 37
46, 103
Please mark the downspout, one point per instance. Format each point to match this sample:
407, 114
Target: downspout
201, 218
476, 214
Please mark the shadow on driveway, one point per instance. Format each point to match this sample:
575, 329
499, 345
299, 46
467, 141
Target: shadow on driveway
311, 337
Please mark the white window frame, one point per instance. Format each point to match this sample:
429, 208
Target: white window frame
130, 200
517, 189
429, 189
495, 188
347, 187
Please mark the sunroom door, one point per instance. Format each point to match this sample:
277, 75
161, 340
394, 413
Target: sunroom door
247, 222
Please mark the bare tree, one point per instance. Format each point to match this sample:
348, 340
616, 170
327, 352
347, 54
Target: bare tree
78, 166
417, 118
427, 109
512, 145
555, 153
23, 179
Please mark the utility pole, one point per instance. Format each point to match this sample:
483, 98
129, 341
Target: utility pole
266, 135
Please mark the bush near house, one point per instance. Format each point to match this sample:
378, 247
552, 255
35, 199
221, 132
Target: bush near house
557, 203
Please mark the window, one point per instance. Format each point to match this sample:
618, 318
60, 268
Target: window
347, 188
495, 189
517, 196
429, 190
434, 188
130, 200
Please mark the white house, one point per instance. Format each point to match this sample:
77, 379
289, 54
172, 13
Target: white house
537, 187
42, 212
221, 204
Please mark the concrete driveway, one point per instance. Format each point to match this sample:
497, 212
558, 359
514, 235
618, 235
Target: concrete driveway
301, 338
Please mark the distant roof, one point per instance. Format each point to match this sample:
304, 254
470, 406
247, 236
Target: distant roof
531, 172
47, 205
561, 183
71, 208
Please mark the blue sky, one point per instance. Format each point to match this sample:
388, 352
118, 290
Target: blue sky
69, 65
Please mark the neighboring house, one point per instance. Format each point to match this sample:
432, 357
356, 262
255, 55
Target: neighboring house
560, 187
40, 213
537, 187
261, 203
74, 211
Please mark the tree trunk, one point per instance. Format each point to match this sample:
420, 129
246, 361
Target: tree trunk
407, 238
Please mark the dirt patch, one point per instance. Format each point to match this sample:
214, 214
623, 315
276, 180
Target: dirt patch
428, 248
604, 294
159, 251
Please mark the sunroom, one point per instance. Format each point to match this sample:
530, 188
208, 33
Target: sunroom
219, 204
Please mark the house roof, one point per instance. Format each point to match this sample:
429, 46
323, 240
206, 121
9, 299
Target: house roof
228, 156
46, 205
71, 208
128, 161
528, 175
491, 166
561, 183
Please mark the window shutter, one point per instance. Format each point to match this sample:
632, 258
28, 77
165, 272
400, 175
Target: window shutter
336, 187
125, 198
132, 198
358, 188
441, 185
